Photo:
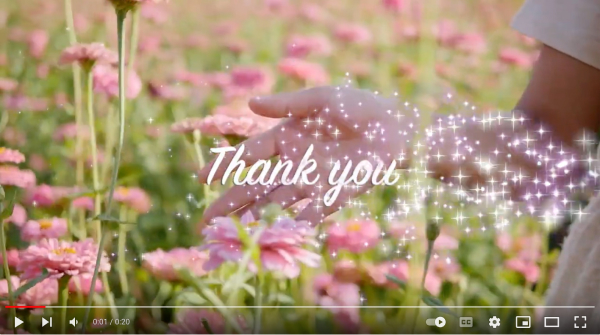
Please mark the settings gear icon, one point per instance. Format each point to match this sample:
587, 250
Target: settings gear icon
495, 322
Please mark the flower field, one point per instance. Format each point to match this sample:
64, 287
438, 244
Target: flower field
109, 111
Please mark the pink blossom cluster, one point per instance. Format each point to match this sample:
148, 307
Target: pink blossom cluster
282, 244
165, 265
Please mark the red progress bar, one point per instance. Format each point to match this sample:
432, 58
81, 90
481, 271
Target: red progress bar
25, 306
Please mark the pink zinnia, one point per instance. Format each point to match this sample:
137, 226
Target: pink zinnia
18, 217
530, 270
11, 156
401, 270
281, 244
153, 12
83, 283
472, 43
515, 57
23, 103
69, 131
253, 80
48, 196
88, 55
8, 85
330, 293
133, 197
221, 125
61, 258
165, 265
106, 81
313, 13
86, 203
395, 6
37, 42
42, 294
46, 228
305, 71
12, 256
353, 33
354, 236
303, 46
167, 92
12, 175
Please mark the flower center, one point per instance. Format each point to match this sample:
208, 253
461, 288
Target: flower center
45, 224
354, 226
253, 224
123, 191
2, 149
62, 251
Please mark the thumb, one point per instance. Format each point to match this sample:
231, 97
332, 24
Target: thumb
297, 104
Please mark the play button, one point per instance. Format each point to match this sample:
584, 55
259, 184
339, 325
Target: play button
18, 322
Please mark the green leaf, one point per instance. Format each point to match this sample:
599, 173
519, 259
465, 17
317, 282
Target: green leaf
29, 284
280, 298
396, 281
106, 218
430, 300
8, 210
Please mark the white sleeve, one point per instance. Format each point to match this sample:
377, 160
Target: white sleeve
569, 26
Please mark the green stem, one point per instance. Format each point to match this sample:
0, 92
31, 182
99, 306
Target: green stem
63, 302
201, 163
121, 14
121, 261
135, 32
11, 299
94, 148
258, 302
79, 176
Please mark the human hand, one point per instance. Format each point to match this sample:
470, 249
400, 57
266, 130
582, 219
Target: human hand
341, 123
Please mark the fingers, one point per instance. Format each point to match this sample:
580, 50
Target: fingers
316, 212
292, 104
284, 196
234, 199
259, 147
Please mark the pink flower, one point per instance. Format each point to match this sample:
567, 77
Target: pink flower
106, 81
396, 6
167, 92
42, 294
12, 256
45, 228
221, 125
515, 57
18, 217
69, 131
194, 78
401, 270
37, 41
330, 293
302, 46
154, 12
48, 196
86, 203
8, 85
355, 236
12, 175
133, 197
305, 71
88, 54
471, 43
15, 284
347, 271
23, 103
445, 32
281, 244
446, 268
529, 270
190, 322
60, 258
11, 156
83, 283
252, 80
313, 13
165, 265
352, 33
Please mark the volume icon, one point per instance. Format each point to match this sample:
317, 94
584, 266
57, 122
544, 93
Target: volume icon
73, 322
46, 322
